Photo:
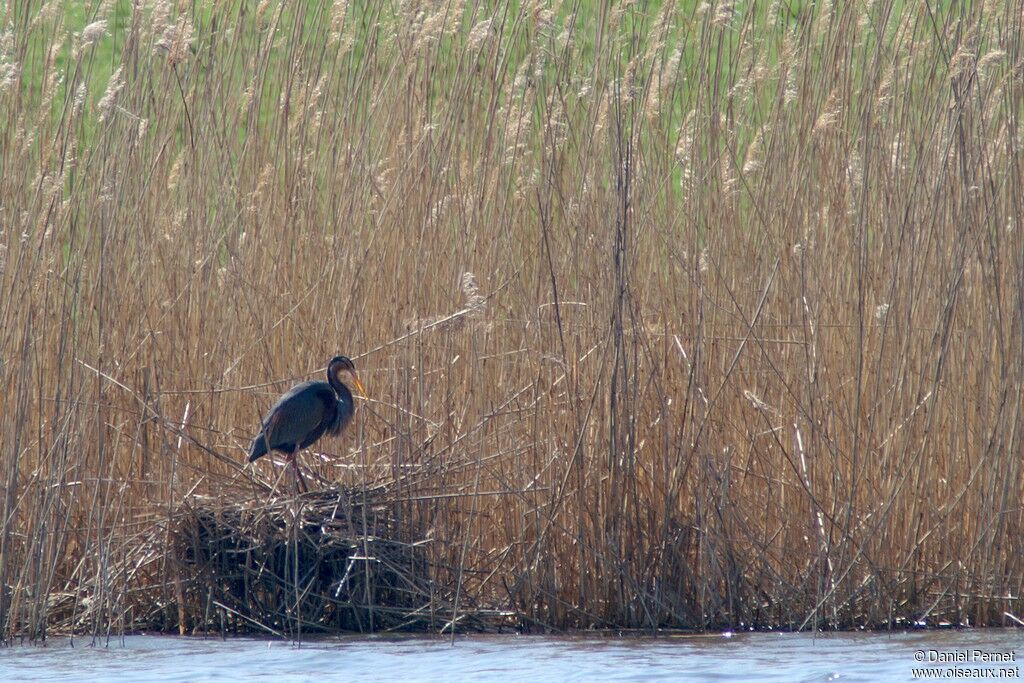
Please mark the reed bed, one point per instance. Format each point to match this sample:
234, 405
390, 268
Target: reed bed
672, 314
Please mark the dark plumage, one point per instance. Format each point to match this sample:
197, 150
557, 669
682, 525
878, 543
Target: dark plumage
308, 411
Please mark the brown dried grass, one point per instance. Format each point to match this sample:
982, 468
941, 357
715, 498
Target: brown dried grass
746, 348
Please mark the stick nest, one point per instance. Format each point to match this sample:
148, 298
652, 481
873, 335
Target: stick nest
326, 561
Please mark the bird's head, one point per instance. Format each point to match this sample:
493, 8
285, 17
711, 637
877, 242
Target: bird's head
341, 370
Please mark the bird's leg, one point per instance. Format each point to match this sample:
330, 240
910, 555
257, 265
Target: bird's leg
293, 458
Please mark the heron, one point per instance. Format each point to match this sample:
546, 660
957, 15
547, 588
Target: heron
306, 412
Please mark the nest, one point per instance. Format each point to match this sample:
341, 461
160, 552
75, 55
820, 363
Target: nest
327, 561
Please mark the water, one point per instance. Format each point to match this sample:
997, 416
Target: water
757, 656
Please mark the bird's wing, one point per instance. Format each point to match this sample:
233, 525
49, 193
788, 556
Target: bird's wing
295, 415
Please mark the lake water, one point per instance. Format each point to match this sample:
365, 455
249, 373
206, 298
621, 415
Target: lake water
723, 657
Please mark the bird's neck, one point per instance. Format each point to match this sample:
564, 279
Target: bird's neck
343, 392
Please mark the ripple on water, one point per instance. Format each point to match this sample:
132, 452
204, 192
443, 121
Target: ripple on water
760, 656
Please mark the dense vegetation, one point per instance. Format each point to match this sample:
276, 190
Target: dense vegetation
670, 313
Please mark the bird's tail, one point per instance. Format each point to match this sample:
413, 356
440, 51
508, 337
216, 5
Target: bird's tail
259, 447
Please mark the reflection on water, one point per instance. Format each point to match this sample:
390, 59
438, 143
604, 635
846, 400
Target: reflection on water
756, 656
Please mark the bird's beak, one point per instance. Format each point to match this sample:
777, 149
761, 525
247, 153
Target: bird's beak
359, 386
